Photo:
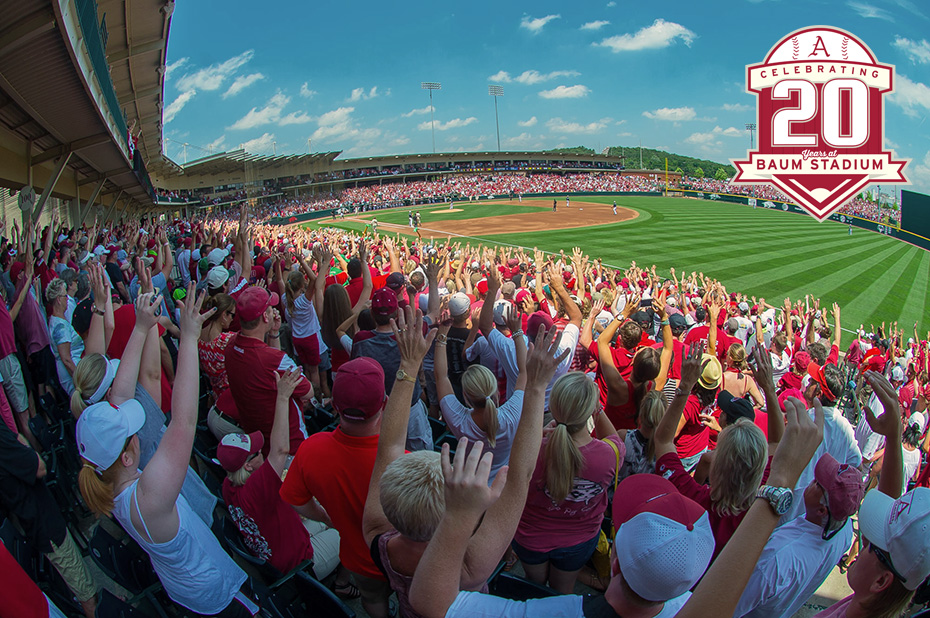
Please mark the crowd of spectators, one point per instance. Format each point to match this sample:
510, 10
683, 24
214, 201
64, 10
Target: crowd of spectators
858, 206
400, 417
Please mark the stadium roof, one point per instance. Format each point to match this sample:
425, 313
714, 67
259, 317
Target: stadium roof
236, 160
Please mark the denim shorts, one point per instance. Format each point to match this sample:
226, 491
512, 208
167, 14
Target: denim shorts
563, 558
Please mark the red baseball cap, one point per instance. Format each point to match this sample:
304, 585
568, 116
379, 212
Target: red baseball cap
253, 302
537, 319
384, 302
236, 448
482, 286
842, 483
802, 361
358, 389
818, 376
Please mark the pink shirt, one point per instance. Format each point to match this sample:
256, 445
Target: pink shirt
545, 525
837, 610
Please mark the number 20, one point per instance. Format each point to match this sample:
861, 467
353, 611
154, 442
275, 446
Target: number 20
830, 118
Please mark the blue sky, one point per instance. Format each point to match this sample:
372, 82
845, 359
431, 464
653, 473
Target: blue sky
270, 76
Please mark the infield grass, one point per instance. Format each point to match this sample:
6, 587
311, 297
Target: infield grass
761, 252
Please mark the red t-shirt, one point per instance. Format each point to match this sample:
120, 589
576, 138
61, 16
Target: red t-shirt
678, 353
21, 597
124, 321
789, 380
623, 417
693, 437
723, 526
700, 333
272, 530
251, 365
342, 489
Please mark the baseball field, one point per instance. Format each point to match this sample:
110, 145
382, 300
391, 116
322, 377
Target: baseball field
763, 253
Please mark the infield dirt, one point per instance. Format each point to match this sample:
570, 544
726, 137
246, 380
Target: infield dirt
579, 214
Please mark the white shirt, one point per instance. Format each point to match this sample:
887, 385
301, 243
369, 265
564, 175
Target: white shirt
481, 350
506, 352
480, 605
869, 442
795, 562
911, 461
461, 423
840, 441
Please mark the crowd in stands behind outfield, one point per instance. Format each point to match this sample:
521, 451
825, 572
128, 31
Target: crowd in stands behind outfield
857, 206
739, 484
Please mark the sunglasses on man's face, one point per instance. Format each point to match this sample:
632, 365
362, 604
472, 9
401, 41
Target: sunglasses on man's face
884, 558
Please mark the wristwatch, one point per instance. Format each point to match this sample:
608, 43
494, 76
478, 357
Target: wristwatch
780, 498
403, 375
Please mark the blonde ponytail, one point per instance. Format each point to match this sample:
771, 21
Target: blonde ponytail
296, 282
571, 402
97, 489
88, 375
478, 387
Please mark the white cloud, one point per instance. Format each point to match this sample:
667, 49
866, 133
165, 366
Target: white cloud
213, 76
660, 34
595, 25
611, 4
917, 51
528, 123
536, 24
528, 78
919, 174
455, 123
259, 145
359, 94
218, 144
711, 136
524, 140
910, 95
418, 112
736, 107
172, 109
566, 92
869, 11
338, 124
305, 91
266, 115
891, 144
241, 83
674, 114
557, 125
295, 118
174, 66
400, 141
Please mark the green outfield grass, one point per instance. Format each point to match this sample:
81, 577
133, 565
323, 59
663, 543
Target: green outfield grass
760, 252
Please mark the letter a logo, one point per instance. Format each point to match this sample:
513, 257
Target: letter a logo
819, 45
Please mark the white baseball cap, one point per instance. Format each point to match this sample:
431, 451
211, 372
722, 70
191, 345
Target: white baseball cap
501, 311
217, 256
459, 304
103, 429
664, 540
897, 373
919, 420
217, 277
902, 528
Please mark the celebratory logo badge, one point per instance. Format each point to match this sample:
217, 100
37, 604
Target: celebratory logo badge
821, 120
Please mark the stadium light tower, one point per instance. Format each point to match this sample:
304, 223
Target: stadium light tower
431, 86
750, 126
496, 91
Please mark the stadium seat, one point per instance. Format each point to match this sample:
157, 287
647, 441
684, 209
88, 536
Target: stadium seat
127, 565
310, 598
516, 588
438, 426
270, 576
110, 606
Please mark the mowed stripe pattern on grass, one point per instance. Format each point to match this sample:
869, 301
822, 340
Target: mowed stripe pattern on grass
761, 252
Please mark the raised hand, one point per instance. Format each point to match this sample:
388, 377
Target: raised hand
147, 308
514, 319
691, 366
408, 332
543, 357
596, 307
287, 382
433, 265
467, 490
658, 304
761, 367
889, 423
